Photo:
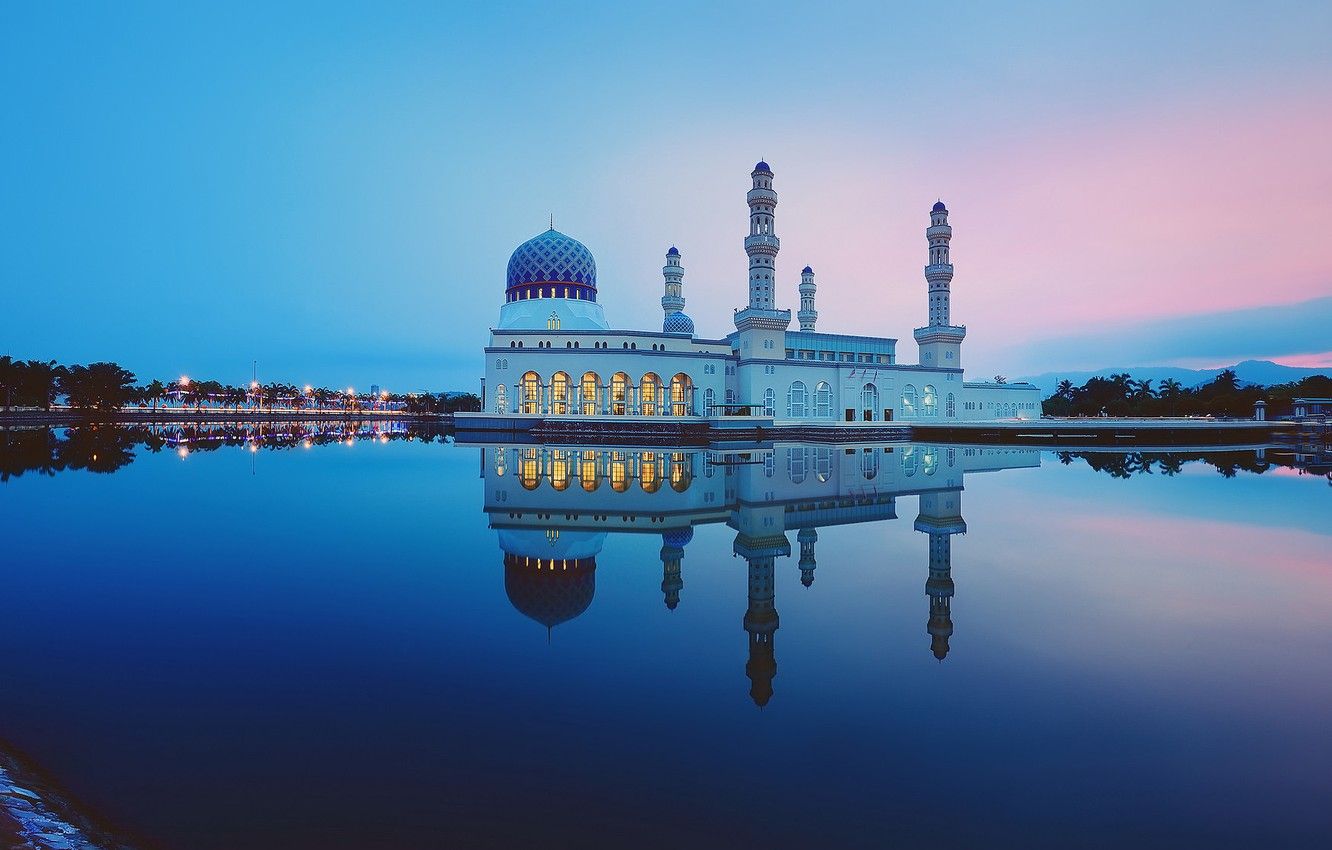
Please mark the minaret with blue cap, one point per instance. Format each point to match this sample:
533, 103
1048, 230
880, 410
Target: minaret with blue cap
807, 315
673, 302
762, 246
940, 341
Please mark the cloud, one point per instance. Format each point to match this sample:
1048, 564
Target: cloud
1279, 330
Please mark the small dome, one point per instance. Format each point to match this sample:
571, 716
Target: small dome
552, 257
677, 538
807, 270
939, 207
672, 252
762, 166
678, 323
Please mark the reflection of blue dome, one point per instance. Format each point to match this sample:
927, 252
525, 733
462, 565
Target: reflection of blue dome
939, 207
547, 594
678, 323
678, 537
762, 166
552, 257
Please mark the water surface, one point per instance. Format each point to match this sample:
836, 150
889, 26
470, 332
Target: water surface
363, 641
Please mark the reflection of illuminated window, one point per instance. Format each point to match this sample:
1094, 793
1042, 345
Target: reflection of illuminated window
682, 472
910, 462
559, 469
501, 462
929, 460
619, 472
648, 478
529, 469
796, 458
559, 393
823, 463
587, 472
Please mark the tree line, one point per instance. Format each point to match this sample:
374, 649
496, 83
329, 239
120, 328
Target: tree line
108, 387
1224, 395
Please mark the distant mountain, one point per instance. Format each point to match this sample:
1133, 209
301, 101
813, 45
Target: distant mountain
1263, 372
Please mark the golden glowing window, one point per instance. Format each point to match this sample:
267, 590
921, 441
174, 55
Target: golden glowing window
559, 394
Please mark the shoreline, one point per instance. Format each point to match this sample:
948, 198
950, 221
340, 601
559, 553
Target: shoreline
62, 418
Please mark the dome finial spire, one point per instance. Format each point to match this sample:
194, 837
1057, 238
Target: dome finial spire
552, 221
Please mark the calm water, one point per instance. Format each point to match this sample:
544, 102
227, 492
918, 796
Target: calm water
393, 643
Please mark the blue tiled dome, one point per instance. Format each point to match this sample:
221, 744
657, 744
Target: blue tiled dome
552, 257
762, 166
678, 323
807, 270
678, 538
939, 207
673, 252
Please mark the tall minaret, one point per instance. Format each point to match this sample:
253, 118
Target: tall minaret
761, 551
807, 315
940, 341
762, 246
940, 517
672, 553
673, 301
807, 538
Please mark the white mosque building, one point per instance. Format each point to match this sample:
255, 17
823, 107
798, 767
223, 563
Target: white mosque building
554, 355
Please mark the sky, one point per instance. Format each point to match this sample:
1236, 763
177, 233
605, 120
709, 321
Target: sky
333, 191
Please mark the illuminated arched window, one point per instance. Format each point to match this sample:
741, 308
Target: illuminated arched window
682, 395
559, 469
619, 472
588, 474
929, 401
559, 393
649, 475
531, 393
682, 471
823, 400
797, 399
553, 321
589, 386
619, 393
909, 400
649, 394
529, 469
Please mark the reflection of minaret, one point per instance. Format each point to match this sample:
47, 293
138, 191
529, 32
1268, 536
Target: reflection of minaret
761, 616
807, 538
672, 551
940, 517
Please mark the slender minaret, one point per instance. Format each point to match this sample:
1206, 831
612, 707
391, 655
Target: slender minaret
762, 243
807, 538
940, 341
671, 580
807, 315
940, 517
673, 301
760, 547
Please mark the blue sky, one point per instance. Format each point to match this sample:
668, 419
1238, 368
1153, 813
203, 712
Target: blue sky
334, 190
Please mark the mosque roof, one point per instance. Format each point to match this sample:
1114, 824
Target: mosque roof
549, 595
673, 252
762, 166
939, 207
678, 323
552, 257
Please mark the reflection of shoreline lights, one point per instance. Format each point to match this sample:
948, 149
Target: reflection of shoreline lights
183, 451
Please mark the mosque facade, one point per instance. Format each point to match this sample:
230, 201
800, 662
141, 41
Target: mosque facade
553, 353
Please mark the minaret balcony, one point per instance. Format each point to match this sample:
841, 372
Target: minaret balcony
764, 243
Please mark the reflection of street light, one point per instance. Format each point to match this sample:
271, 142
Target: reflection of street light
184, 380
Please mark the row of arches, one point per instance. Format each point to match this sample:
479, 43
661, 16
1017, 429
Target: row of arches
589, 395
590, 468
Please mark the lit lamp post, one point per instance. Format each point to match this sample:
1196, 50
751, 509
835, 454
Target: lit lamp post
184, 387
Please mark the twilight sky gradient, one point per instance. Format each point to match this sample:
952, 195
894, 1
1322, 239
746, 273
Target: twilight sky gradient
335, 192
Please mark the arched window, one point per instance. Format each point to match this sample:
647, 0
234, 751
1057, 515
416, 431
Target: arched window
823, 463
589, 386
769, 401
823, 400
588, 474
910, 461
619, 472
929, 460
869, 402
501, 461
553, 321
682, 471
649, 475
682, 395
709, 398
950, 406
909, 400
559, 393
501, 398
929, 401
797, 458
730, 400
559, 469
529, 469
869, 464
531, 394
649, 394
619, 394
797, 400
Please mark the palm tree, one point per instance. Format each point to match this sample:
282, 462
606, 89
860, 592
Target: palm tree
154, 392
1065, 389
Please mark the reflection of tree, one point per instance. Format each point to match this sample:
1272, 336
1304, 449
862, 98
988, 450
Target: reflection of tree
107, 448
1129, 464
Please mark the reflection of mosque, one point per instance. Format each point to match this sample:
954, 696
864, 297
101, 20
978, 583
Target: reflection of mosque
554, 507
